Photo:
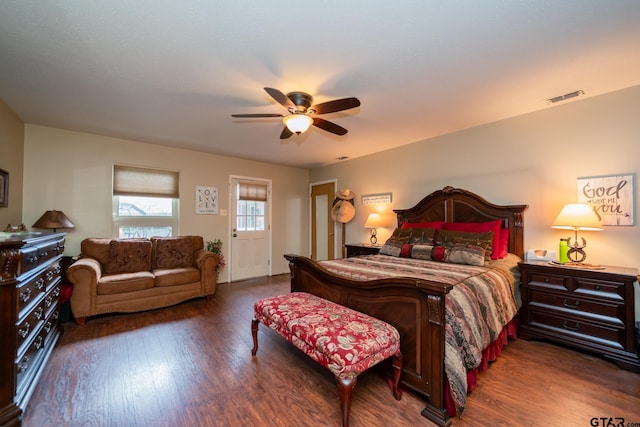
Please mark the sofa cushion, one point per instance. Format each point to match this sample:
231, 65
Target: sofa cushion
128, 256
172, 252
176, 276
128, 282
96, 248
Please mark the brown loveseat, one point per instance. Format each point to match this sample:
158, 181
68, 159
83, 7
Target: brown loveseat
128, 275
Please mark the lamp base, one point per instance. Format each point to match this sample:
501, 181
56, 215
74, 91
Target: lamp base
373, 239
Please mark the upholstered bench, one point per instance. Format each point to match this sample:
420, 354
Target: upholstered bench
341, 339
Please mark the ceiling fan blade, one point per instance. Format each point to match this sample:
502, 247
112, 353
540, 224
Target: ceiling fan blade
257, 115
336, 105
328, 126
286, 133
280, 97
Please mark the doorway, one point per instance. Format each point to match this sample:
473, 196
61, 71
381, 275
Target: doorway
322, 226
250, 221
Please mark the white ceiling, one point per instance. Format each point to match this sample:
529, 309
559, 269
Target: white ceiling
172, 72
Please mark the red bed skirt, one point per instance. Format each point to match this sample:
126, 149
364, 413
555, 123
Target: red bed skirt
490, 354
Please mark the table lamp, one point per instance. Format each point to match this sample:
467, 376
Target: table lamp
53, 219
577, 217
374, 221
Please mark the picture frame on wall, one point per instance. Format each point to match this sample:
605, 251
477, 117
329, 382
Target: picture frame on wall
4, 188
611, 196
206, 200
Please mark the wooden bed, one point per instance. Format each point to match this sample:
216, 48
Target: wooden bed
416, 307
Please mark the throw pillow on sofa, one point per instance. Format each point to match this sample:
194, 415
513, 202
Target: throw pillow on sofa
172, 252
128, 256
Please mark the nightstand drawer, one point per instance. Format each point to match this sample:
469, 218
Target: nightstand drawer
604, 310
601, 288
577, 327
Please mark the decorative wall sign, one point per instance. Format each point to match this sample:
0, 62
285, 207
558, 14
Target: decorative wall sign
207, 200
374, 199
611, 197
4, 188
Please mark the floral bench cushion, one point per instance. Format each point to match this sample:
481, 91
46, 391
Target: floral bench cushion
343, 340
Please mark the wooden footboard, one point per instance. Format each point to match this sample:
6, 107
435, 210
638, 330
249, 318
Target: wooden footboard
415, 307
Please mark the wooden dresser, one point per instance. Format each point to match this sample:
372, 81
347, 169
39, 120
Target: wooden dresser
592, 309
29, 310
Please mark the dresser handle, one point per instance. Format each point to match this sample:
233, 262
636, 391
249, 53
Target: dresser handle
546, 280
565, 324
23, 365
40, 283
597, 287
25, 295
565, 302
38, 313
38, 342
47, 327
23, 332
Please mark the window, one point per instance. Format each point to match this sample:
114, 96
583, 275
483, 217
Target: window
145, 202
251, 203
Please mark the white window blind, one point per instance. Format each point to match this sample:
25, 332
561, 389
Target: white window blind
252, 191
145, 182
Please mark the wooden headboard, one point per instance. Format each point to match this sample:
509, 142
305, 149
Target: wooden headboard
457, 205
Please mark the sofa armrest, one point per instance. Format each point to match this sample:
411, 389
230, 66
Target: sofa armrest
206, 262
84, 275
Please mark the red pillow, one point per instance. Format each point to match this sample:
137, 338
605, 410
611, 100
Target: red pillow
480, 227
433, 224
503, 250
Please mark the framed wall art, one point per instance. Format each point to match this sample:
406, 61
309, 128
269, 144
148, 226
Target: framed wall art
207, 200
611, 196
4, 188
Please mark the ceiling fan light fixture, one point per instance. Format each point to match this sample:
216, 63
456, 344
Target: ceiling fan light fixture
297, 123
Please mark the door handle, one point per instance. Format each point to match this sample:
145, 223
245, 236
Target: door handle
235, 235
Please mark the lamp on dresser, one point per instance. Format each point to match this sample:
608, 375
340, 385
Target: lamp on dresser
577, 217
53, 220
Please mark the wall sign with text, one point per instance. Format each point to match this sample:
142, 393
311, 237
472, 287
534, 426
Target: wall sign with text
207, 200
611, 197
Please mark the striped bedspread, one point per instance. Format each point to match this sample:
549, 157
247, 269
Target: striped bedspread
482, 302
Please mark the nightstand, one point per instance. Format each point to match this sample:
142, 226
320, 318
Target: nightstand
355, 249
591, 309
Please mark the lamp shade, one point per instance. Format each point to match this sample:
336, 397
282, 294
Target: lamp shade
577, 216
53, 219
297, 123
374, 220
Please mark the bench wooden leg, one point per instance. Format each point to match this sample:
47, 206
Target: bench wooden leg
397, 370
254, 333
346, 386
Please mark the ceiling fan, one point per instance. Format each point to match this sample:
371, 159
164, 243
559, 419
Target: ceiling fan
301, 109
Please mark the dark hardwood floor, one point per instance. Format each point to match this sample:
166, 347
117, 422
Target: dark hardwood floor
191, 365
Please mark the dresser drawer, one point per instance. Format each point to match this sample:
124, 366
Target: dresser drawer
30, 292
585, 329
30, 324
28, 260
604, 310
28, 363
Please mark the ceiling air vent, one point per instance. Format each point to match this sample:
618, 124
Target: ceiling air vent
565, 96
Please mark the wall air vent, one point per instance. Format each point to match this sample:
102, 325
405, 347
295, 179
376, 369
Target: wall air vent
565, 96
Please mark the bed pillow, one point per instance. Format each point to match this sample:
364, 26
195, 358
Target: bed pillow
421, 251
480, 227
450, 238
421, 236
459, 253
503, 250
393, 246
432, 224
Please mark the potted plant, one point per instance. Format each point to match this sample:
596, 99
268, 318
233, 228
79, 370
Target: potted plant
215, 246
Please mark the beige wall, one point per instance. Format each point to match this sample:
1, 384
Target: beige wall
532, 159
71, 171
11, 160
